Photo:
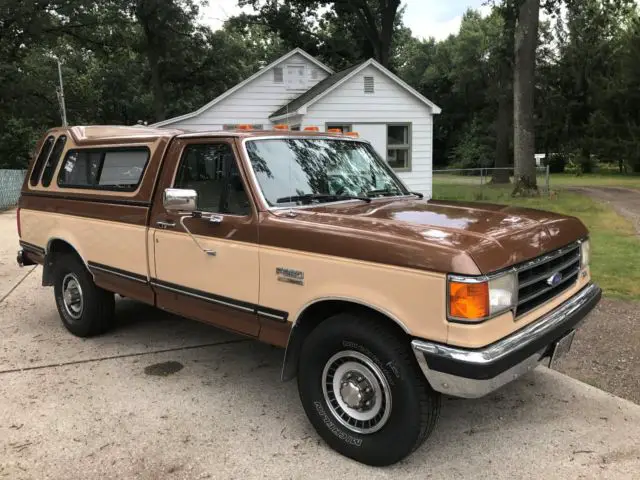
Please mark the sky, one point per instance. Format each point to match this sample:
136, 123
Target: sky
425, 18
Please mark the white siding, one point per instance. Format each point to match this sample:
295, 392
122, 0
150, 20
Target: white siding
390, 103
254, 102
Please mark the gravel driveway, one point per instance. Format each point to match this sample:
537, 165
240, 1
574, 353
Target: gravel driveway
606, 350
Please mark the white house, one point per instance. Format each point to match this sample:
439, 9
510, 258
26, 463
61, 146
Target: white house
300, 91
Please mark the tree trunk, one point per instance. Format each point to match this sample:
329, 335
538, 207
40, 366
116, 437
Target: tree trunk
146, 12
504, 125
526, 40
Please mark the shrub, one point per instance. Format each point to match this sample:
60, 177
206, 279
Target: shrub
556, 162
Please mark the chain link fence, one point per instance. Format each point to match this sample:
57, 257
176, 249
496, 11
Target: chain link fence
10, 185
482, 183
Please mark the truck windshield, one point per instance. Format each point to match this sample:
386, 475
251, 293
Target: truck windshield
298, 171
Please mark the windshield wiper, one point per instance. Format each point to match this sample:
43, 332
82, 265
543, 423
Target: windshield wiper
385, 192
309, 197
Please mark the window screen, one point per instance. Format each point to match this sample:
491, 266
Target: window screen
118, 169
39, 163
53, 160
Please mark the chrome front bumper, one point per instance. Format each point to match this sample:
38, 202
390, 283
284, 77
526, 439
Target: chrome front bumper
472, 373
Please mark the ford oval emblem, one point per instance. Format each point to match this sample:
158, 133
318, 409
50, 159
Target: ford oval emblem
554, 279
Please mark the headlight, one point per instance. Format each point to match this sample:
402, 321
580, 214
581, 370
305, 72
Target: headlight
585, 253
476, 299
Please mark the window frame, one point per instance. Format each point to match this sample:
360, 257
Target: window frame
303, 76
103, 150
62, 138
40, 161
408, 147
236, 157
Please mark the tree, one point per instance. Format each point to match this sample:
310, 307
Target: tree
526, 40
352, 29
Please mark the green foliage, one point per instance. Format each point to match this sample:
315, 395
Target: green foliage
130, 60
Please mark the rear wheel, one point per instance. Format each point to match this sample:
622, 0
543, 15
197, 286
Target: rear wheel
85, 308
363, 391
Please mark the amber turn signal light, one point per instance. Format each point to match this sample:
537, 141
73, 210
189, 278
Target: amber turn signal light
281, 126
244, 126
334, 130
311, 129
468, 301
352, 134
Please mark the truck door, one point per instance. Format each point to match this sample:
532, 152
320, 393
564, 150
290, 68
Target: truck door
219, 286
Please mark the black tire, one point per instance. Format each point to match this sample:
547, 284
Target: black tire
415, 407
95, 316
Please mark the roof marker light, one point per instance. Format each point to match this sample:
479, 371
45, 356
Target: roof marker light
311, 129
352, 134
281, 126
244, 126
334, 130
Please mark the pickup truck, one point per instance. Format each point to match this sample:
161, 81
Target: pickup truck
383, 300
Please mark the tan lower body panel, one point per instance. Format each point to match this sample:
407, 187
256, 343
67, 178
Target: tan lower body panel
117, 245
413, 299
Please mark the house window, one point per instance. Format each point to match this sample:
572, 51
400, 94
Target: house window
399, 146
368, 85
295, 78
278, 75
343, 127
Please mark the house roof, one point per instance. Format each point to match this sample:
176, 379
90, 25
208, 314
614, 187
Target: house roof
313, 92
243, 83
299, 105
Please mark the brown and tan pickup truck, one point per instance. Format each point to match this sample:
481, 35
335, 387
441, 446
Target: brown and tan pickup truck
308, 241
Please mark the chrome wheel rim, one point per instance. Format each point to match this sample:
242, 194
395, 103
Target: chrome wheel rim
357, 392
72, 296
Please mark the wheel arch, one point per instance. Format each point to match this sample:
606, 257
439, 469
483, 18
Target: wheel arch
314, 313
57, 246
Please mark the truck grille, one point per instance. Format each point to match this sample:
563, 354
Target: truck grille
533, 277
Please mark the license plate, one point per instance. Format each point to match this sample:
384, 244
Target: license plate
561, 348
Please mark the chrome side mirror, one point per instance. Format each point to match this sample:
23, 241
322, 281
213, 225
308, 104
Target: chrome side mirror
177, 200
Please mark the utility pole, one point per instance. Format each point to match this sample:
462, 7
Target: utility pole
60, 92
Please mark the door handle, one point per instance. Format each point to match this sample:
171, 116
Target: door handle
163, 224
215, 219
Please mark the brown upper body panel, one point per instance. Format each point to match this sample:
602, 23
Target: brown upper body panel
454, 237
465, 238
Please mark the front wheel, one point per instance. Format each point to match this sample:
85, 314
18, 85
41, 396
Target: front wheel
363, 392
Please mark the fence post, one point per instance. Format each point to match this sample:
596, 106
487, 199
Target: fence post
548, 180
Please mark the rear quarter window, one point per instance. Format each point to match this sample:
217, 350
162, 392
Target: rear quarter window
39, 163
53, 160
104, 169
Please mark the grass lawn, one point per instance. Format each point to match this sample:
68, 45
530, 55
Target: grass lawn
559, 180
615, 263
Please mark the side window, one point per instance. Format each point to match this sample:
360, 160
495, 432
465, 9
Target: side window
212, 171
104, 169
53, 160
39, 163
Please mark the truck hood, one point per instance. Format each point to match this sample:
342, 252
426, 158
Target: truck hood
494, 236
